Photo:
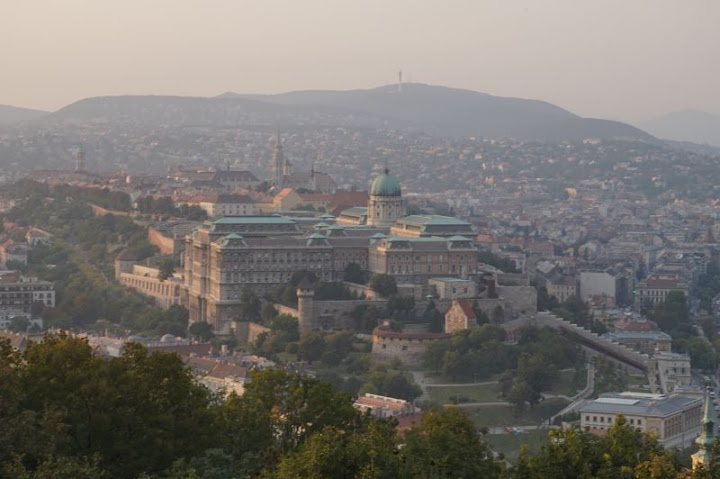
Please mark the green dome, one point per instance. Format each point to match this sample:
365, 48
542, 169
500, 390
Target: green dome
385, 185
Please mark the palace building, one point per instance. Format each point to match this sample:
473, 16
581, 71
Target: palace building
226, 255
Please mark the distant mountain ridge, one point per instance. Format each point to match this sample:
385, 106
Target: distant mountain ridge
13, 114
458, 112
434, 109
686, 125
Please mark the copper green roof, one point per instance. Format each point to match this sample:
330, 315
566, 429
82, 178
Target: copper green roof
355, 211
428, 220
385, 185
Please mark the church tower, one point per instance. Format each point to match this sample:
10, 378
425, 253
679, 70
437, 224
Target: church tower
80, 160
707, 437
281, 166
386, 204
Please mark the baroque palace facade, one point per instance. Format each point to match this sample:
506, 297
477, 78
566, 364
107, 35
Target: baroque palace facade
225, 256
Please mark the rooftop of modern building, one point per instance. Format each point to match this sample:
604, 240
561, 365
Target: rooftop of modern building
636, 404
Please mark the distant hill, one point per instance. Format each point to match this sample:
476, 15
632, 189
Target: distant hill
157, 110
12, 114
686, 125
434, 109
456, 112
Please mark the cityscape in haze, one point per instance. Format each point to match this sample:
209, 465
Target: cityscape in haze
280, 239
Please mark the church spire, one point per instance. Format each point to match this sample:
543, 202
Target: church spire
278, 162
707, 437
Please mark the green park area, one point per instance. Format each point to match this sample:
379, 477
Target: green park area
458, 394
509, 443
508, 416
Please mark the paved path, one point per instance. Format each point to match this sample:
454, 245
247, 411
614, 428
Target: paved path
479, 404
419, 378
460, 385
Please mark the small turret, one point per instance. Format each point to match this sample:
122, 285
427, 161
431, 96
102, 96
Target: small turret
124, 263
305, 294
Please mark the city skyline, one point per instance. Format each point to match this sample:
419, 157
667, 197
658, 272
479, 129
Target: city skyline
608, 60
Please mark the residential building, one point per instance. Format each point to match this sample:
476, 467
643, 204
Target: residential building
654, 290
217, 205
12, 251
19, 292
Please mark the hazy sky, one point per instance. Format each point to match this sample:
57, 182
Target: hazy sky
623, 59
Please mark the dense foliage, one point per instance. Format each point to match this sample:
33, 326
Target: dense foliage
69, 414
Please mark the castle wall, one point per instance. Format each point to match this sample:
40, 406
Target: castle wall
519, 299
409, 348
165, 244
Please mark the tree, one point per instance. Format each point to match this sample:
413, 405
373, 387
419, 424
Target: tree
395, 385
279, 411
166, 269
311, 346
447, 444
498, 315
365, 317
201, 330
57, 467
434, 318
354, 274
370, 452
250, 306
338, 345
138, 412
19, 324
384, 285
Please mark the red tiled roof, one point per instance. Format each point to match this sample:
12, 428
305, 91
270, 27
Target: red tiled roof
315, 197
466, 307
406, 422
379, 403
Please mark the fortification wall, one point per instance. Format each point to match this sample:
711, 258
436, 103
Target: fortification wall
409, 348
513, 279
282, 309
248, 332
519, 300
165, 244
591, 343
334, 314
361, 289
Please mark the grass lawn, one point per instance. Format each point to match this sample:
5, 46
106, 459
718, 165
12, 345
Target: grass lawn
448, 394
509, 444
436, 377
501, 416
